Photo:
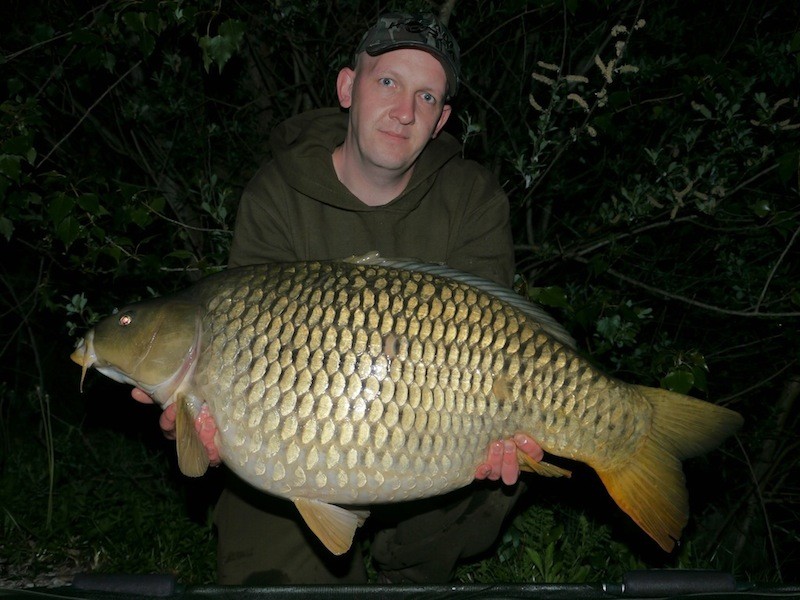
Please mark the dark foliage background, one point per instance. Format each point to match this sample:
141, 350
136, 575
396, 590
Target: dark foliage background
650, 153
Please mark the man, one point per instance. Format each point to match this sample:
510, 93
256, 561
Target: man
381, 177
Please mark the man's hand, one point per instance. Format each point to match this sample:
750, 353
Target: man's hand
204, 425
501, 462
167, 419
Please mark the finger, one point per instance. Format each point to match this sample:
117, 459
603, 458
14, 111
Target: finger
483, 471
140, 395
167, 422
213, 454
510, 468
495, 460
206, 429
529, 446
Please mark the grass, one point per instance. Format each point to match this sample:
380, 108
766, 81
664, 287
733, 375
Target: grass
554, 545
118, 507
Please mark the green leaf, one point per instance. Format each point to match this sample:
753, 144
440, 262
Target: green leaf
549, 296
76, 304
134, 20
6, 228
700, 378
109, 61
680, 381
702, 109
220, 48
609, 326
60, 208
180, 254
141, 216
90, 203
68, 230
9, 166
19, 144
98, 233
535, 558
153, 22
761, 207
65, 224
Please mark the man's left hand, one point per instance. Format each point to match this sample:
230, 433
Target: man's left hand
502, 460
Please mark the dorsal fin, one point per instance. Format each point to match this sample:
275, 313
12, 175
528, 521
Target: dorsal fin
536, 312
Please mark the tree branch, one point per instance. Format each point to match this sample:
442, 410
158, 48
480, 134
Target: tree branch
107, 91
709, 307
775, 268
606, 241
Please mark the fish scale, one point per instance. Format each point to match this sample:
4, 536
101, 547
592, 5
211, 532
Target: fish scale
332, 338
382, 381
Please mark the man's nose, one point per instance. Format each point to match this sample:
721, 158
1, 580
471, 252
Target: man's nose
403, 109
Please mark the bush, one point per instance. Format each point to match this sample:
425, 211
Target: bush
649, 151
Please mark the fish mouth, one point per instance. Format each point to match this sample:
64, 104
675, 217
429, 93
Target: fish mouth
84, 355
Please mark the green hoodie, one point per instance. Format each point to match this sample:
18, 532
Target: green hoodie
295, 208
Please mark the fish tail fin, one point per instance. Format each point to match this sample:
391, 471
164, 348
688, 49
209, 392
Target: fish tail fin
649, 485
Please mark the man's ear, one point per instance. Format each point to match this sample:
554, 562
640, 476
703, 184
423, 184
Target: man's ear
344, 86
446, 110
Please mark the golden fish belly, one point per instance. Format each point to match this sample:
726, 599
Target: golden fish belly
359, 384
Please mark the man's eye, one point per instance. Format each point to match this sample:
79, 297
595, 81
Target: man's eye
387, 81
429, 98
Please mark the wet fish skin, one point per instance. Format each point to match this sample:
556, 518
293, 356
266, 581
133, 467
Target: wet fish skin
335, 382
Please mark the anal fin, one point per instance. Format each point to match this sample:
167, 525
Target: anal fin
333, 525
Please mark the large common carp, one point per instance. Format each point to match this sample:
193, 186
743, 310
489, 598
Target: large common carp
371, 381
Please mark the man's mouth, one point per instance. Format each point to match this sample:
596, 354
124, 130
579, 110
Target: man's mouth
394, 134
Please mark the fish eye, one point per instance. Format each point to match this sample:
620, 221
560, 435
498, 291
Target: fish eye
126, 319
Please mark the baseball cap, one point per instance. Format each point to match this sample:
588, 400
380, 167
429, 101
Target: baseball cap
422, 31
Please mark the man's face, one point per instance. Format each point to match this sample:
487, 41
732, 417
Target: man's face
396, 103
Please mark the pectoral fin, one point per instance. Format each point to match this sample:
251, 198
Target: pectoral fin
192, 456
526, 463
333, 525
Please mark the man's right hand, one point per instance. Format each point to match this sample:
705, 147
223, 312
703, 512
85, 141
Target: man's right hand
167, 419
204, 425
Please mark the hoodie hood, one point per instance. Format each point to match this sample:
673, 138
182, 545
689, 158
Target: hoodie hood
302, 147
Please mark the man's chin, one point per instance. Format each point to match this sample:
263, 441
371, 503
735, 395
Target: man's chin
393, 161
